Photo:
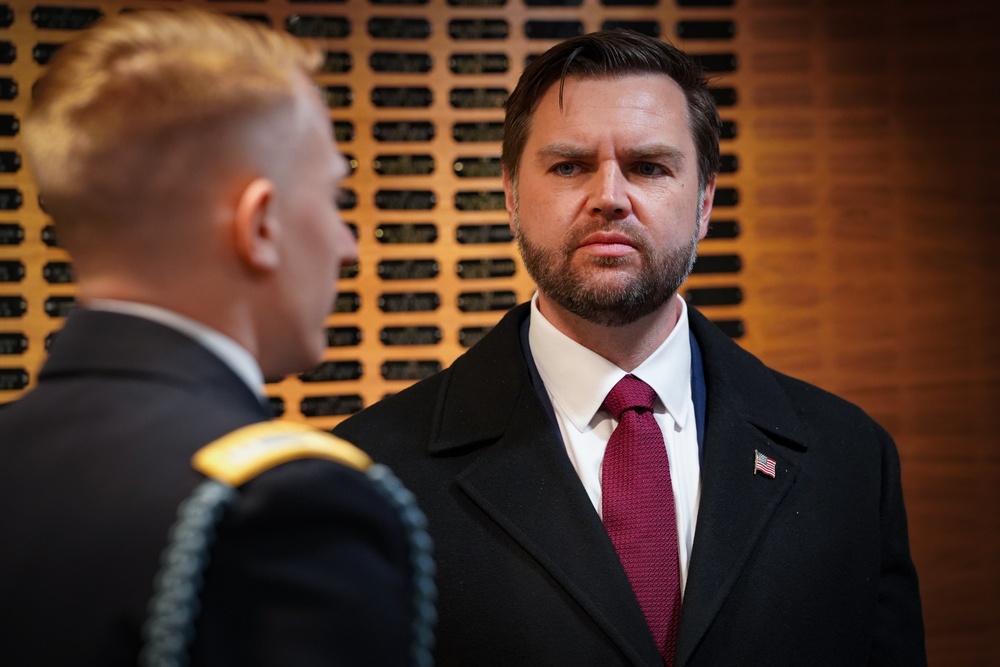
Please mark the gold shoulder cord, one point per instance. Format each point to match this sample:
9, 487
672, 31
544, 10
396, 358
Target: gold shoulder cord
238, 457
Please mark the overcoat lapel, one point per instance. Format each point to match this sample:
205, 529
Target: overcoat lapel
736, 504
523, 481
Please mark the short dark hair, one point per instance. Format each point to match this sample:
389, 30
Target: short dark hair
612, 54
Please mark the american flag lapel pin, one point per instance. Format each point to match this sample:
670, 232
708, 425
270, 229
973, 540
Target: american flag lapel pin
763, 464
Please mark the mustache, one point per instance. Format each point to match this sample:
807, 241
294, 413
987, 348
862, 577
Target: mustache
634, 232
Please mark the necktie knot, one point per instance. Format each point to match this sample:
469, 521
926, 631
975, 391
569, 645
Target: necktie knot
630, 393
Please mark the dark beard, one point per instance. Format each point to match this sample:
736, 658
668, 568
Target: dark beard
629, 300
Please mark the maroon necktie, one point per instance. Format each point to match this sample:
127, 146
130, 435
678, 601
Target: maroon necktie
638, 508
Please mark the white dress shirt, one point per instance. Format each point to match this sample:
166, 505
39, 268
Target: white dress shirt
577, 380
234, 355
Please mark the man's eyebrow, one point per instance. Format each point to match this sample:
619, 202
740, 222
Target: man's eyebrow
664, 152
568, 151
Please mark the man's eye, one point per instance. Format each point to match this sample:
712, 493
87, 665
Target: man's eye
649, 169
565, 169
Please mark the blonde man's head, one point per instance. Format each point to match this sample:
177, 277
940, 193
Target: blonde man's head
146, 110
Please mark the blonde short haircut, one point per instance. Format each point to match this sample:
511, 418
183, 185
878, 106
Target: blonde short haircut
138, 100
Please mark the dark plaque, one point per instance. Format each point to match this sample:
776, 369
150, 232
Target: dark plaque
405, 200
410, 370
475, 132
724, 96
478, 98
347, 199
337, 97
714, 296
729, 163
10, 162
726, 197
477, 3
48, 235
716, 62
409, 302
717, 264
59, 306
477, 167
11, 233
58, 273
553, 3
397, 2
732, 328
469, 336
333, 371
343, 130
478, 302
8, 53
477, 29
428, 335
349, 271
307, 25
706, 29
419, 232
648, 28
336, 62
50, 339
399, 28
8, 88
402, 97
44, 52
473, 269
343, 336
723, 229
6, 16
13, 378
13, 343
629, 3
552, 29
64, 18
347, 302
389, 61
12, 306
489, 233
479, 63
403, 165
408, 269
729, 129
481, 200
9, 125
275, 406
354, 229
11, 271
398, 132
331, 406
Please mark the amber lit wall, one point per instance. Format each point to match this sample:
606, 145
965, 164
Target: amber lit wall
854, 244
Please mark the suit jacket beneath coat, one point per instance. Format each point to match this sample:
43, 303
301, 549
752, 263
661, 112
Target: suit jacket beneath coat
811, 568
310, 566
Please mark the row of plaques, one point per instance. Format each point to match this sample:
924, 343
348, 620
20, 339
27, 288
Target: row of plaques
15, 306
46, 17
60, 272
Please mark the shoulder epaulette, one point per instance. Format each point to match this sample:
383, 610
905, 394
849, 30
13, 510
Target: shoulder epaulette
241, 455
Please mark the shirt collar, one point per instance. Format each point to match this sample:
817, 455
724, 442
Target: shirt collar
234, 355
578, 379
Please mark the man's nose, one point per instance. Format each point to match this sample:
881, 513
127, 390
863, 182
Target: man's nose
610, 197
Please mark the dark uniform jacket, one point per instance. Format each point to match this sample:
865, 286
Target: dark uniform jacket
309, 568
809, 569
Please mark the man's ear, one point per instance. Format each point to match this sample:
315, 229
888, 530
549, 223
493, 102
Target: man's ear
707, 198
255, 226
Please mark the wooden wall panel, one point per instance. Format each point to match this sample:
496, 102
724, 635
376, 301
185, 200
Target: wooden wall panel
862, 179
